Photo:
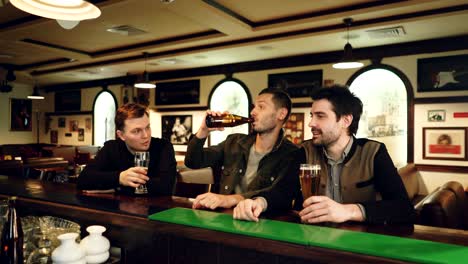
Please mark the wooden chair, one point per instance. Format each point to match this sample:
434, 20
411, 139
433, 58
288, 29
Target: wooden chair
192, 182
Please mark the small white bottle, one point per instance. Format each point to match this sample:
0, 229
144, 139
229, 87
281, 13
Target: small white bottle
69, 251
95, 245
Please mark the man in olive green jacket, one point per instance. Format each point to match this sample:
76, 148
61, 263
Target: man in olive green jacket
250, 163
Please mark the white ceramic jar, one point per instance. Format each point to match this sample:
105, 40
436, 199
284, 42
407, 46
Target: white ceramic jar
95, 245
69, 251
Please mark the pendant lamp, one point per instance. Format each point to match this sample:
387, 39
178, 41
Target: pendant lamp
35, 95
348, 62
145, 82
73, 10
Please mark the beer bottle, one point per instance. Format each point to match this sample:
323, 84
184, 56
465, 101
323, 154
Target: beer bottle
12, 237
226, 120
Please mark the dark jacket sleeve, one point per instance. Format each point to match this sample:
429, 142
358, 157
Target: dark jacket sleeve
96, 175
395, 206
287, 191
163, 172
198, 157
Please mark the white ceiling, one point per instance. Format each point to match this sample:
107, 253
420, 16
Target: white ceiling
200, 33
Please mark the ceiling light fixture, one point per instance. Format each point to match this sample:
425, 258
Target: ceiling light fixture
35, 95
67, 13
348, 62
145, 83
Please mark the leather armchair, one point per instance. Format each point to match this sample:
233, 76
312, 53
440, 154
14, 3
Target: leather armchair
444, 207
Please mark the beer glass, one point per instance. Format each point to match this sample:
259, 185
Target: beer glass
142, 159
309, 175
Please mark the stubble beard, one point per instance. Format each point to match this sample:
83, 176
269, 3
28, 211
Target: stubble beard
326, 140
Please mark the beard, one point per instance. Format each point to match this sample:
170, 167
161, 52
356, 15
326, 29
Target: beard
324, 139
265, 127
263, 130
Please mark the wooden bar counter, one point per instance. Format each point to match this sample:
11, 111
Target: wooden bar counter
145, 241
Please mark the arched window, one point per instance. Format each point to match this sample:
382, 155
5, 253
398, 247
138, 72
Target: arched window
383, 91
230, 95
104, 112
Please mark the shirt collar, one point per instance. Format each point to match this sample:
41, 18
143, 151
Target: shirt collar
345, 151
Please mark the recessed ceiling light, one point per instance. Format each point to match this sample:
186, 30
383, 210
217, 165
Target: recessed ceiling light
201, 57
265, 48
171, 61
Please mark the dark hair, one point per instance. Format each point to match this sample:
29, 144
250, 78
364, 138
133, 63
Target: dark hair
444, 137
280, 99
344, 102
128, 111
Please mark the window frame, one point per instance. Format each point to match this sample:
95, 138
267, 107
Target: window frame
409, 101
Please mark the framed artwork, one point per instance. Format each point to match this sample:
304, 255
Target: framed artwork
444, 143
20, 114
80, 134
448, 73
68, 101
142, 96
61, 121
436, 115
54, 136
177, 128
180, 92
126, 94
294, 128
88, 124
73, 125
297, 84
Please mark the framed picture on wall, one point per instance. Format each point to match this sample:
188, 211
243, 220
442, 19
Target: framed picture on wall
436, 115
180, 92
69, 101
62, 122
294, 128
177, 128
20, 114
73, 125
445, 143
448, 73
142, 96
88, 124
80, 134
297, 84
54, 136
126, 94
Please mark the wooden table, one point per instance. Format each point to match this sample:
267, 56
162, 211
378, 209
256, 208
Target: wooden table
145, 241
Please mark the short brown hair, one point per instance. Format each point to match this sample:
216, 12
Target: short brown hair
280, 99
129, 111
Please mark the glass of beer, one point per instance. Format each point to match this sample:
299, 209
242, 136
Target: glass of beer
142, 159
309, 175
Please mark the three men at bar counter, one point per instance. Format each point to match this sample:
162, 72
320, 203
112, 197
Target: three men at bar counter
353, 171
252, 163
114, 165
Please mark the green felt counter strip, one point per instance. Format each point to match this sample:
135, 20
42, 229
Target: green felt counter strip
358, 242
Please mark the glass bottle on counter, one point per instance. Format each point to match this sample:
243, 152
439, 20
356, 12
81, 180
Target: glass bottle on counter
226, 120
12, 237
